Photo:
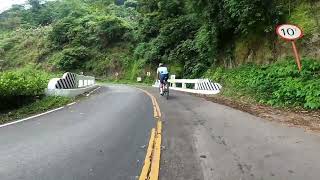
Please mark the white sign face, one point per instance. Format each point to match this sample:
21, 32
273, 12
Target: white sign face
289, 32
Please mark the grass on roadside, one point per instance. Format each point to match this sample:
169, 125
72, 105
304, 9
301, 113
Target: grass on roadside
36, 107
278, 85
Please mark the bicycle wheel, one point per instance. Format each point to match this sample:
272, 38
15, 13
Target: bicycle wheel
167, 90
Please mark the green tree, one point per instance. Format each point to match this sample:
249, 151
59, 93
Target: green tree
35, 5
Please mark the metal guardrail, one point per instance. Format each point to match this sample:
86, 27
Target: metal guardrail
70, 85
199, 86
84, 81
71, 81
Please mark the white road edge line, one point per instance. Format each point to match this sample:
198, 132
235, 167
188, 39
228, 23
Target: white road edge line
32, 117
38, 115
93, 91
71, 104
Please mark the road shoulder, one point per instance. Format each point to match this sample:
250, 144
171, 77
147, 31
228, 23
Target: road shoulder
205, 140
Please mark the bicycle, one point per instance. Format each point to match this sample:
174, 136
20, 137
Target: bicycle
166, 89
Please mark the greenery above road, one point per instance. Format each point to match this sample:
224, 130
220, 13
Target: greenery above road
120, 40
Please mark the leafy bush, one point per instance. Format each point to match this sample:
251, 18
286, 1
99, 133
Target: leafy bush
24, 46
175, 34
20, 86
73, 58
252, 15
187, 54
131, 3
305, 18
149, 28
110, 29
279, 84
89, 30
60, 34
206, 43
26, 82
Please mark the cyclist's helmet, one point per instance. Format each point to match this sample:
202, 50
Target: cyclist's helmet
161, 64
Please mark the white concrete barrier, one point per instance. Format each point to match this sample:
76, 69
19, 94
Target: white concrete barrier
198, 86
70, 85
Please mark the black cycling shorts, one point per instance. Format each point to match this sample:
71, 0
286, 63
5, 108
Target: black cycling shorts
164, 77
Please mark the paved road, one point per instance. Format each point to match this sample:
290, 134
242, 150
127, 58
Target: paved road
204, 140
99, 138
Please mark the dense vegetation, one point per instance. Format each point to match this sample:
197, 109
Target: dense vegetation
22, 93
279, 84
129, 38
20, 86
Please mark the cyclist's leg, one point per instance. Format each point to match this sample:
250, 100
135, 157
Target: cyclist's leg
167, 83
161, 86
161, 83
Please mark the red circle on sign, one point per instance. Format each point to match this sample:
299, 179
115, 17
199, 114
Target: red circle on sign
285, 33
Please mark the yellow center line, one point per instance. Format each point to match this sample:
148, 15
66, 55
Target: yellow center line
147, 161
158, 108
155, 164
151, 167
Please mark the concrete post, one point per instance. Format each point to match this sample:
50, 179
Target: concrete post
196, 85
184, 86
80, 83
172, 78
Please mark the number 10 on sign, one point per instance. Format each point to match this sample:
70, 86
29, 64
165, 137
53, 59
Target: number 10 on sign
291, 33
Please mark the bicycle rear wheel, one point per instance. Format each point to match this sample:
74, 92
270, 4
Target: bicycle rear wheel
167, 90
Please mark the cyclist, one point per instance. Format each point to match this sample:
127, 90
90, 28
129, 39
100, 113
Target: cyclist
163, 75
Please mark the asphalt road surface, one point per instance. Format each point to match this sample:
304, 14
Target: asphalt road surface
204, 140
99, 138
103, 137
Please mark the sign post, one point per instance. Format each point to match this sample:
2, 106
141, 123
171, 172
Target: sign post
296, 54
291, 33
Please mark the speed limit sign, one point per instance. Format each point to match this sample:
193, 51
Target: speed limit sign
291, 33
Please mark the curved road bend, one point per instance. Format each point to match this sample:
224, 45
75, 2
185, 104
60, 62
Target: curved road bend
204, 140
102, 138
99, 138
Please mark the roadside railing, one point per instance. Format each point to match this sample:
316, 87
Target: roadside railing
71, 81
84, 81
198, 86
70, 85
